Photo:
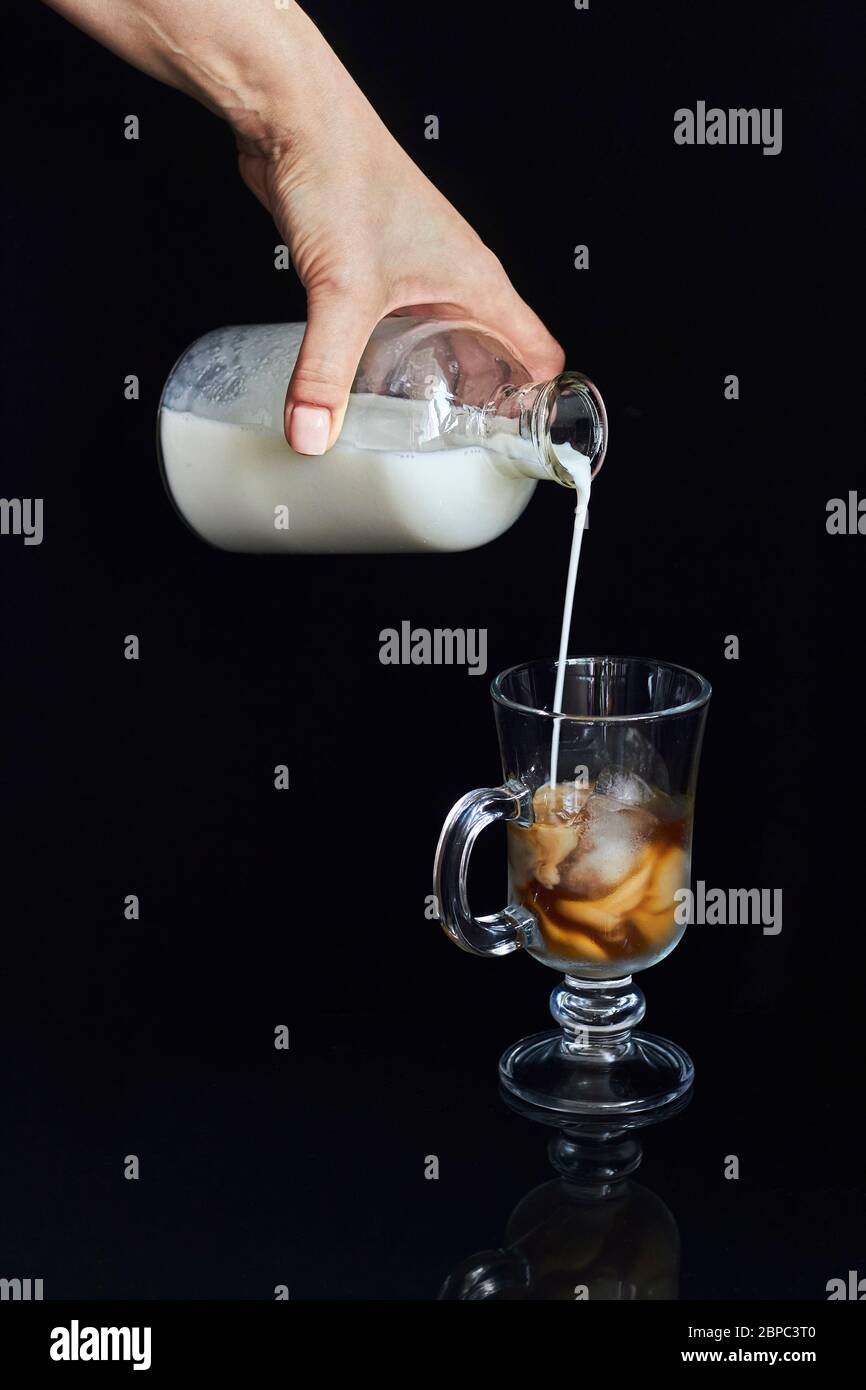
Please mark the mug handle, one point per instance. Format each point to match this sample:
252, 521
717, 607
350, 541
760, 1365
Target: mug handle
501, 932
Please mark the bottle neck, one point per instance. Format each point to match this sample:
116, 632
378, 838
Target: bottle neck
549, 429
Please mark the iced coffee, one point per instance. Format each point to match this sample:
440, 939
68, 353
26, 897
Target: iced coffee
600, 867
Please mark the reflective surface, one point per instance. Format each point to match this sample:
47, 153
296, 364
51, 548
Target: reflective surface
590, 1234
309, 1167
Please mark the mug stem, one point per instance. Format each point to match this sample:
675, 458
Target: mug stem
596, 1062
597, 1017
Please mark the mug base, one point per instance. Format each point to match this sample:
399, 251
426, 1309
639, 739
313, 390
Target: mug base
652, 1074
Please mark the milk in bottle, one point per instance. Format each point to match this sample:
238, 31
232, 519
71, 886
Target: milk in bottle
443, 442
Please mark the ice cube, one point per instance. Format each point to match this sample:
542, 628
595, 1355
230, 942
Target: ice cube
613, 838
624, 786
636, 753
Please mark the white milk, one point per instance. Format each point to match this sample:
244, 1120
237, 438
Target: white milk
579, 468
404, 475
234, 482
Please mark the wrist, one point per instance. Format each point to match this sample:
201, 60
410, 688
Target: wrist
285, 88
274, 104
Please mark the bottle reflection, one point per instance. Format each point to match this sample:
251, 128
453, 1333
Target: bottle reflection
591, 1233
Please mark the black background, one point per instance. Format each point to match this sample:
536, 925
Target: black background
307, 908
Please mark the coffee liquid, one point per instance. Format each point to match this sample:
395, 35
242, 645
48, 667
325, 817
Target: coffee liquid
600, 866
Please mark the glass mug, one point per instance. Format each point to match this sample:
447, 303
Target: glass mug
599, 856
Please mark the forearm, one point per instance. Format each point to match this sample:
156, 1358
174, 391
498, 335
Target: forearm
267, 71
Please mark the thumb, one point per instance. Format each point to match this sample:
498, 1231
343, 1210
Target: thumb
338, 329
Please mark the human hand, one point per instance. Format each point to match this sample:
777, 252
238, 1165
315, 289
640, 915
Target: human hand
369, 235
367, 231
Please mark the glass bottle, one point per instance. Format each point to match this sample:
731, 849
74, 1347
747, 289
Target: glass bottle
444, 439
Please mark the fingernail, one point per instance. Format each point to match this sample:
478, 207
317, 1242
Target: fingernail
309, 428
